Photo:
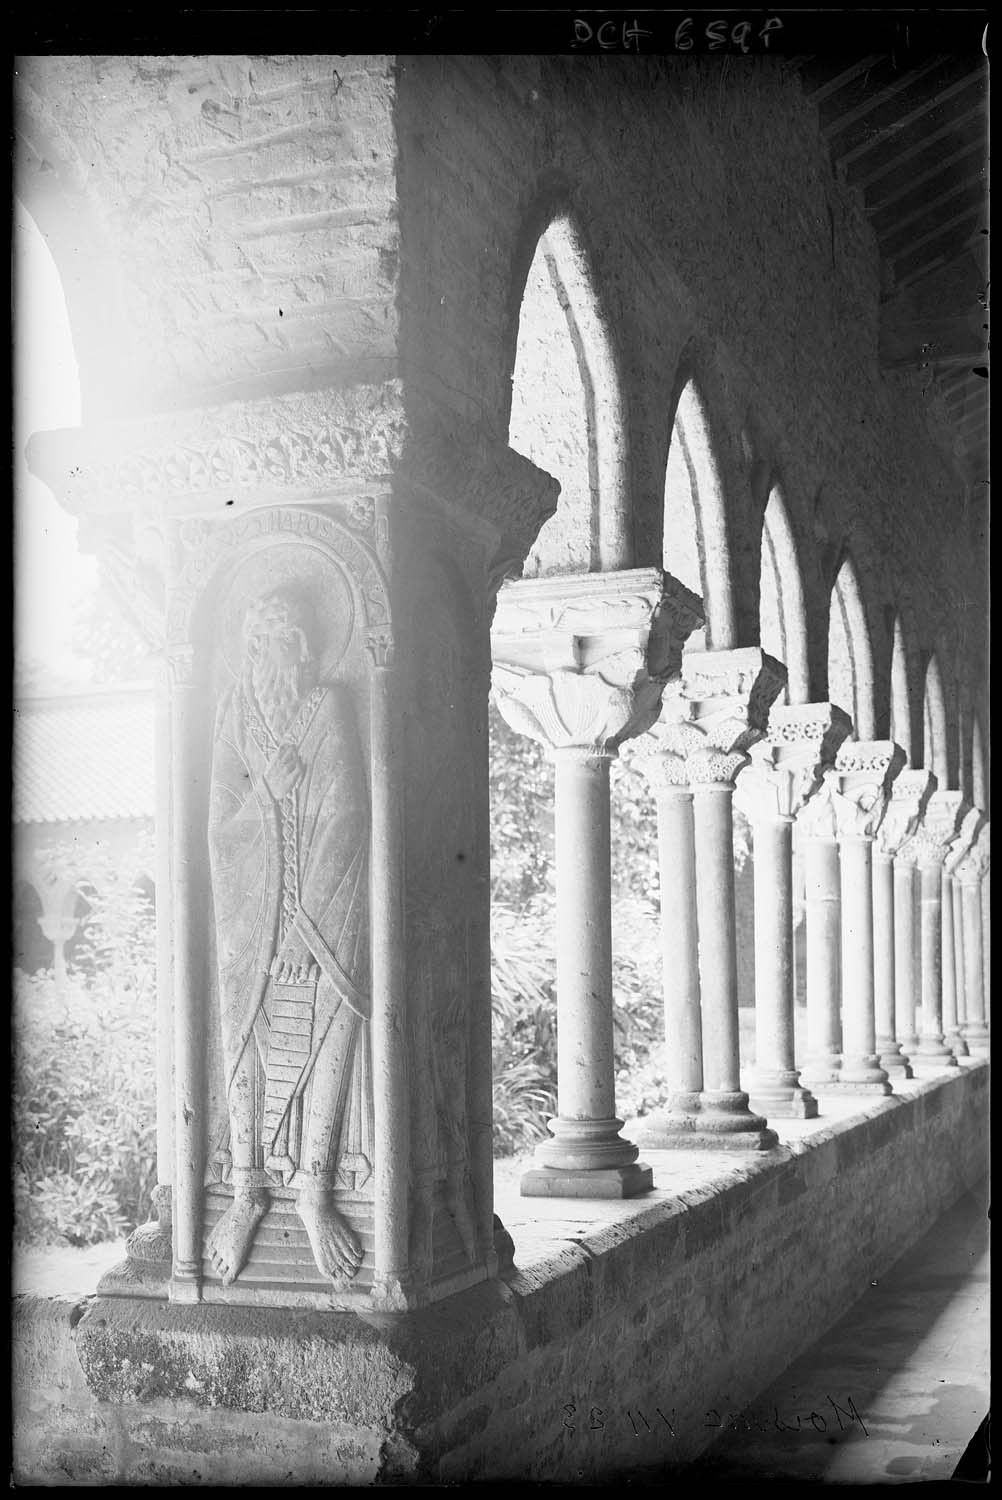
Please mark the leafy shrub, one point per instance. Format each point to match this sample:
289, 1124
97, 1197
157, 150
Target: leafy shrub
84, 1111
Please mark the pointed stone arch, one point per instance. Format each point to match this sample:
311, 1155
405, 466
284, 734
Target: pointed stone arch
696, 546
901, 710
935, 744
850, 651
566, 411
782, 617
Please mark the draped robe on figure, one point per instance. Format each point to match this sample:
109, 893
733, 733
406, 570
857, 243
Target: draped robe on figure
290, 885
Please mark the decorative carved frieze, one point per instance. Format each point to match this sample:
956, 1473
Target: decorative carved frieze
860, 786
718, 709
787, 767
303, 442
581, 660
910, 793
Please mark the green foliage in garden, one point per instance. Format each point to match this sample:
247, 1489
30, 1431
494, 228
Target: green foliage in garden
84, 1098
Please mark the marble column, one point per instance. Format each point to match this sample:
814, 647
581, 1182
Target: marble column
785, 769
971, 824
568, 674
931, 841
861, 785
986, 933
895, 975
823, 931
713, 716
970, 874
668, 778
951, 1026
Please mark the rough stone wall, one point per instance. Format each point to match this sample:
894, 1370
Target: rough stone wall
694, 1302
722, 244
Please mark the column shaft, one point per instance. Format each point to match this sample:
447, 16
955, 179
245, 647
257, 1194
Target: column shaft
904, 956
959, 954
823, 918
931, 1046
680, 972
587, 1157
776, 1088
888, 1047
724, 1105
861, 1070
951, 1029
975, 1030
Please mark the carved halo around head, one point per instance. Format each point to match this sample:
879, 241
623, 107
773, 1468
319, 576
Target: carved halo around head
305, 575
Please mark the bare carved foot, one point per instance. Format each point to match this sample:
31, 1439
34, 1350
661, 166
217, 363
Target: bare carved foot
336, 1249
230, 1241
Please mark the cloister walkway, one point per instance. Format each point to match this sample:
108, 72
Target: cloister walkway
913, 1353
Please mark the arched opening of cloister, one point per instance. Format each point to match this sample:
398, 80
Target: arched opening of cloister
901, 719
696, 548
935, 752
782, 619
850, 655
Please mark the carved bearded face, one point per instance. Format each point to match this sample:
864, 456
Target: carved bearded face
278, 657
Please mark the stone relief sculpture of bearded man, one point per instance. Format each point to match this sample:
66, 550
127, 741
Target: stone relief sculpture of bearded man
288, 841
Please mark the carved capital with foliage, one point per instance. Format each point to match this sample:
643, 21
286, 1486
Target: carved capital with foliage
860, 786
971, 822
787, 767
973, 867
936, 830
910, 793
581, 659
718, 709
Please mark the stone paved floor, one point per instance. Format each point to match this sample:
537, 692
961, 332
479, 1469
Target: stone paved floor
913, 1356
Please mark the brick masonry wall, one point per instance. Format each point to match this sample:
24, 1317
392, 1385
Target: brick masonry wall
696, 1302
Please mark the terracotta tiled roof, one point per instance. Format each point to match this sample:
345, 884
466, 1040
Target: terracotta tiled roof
84, 755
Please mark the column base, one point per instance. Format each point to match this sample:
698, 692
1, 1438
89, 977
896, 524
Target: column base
726, 1120
881, 1087
585, 1146
897, 1067
821, 1072
933, 1053
793, 1104
595, 1182
891, 1057
956, 1044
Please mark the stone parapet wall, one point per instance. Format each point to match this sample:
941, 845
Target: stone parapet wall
691, 1302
